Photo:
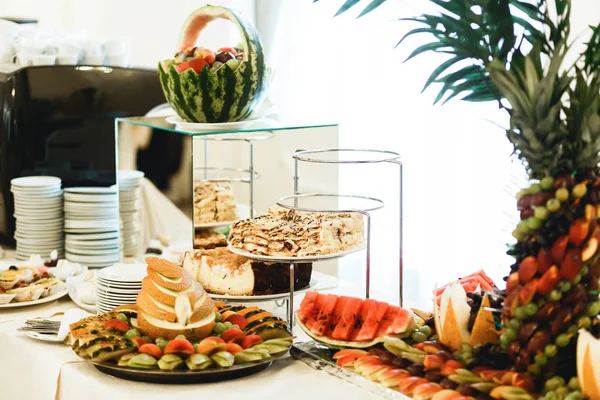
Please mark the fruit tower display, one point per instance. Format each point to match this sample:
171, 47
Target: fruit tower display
554, 110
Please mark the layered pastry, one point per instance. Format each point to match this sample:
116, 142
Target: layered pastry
213, 202
172, 303
291, 233
220, 271
206, 239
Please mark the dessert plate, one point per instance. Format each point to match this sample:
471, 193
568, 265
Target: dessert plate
304, 259
62, 292
91, 308
195, 127
36, 181
123, 273
311, 286
184, 376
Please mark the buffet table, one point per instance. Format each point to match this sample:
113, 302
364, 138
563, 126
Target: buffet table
53, 371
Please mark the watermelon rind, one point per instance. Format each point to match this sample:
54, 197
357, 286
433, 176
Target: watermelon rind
343, 344
223, 95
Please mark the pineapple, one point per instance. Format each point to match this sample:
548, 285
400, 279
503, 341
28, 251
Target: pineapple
554, 110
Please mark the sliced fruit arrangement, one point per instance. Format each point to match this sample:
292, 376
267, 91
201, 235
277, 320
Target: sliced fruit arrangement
552, 291
223, 86
472, 283
116, 337
460, 318
352, 322
22, 284
432, 373
250, 320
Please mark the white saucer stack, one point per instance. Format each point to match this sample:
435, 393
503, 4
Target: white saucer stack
92, 226
118, 285
129, 206
38, 202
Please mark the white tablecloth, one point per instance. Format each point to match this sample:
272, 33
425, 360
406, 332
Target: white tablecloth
29, 370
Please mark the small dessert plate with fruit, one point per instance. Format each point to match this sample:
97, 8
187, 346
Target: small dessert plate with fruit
195, 127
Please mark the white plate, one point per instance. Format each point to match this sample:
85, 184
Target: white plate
29, 195
93, 236
91, 308
129, 175
42, 300
313, 284
109, 287
91, 190
183, 125
92, 230
111, 298
92, 198
45, 337
92, 243
45, 204
124, 273
84, 206
36, 181
103, 290
283, 259
92, 223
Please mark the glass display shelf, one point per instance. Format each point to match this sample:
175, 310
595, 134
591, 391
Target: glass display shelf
264, 124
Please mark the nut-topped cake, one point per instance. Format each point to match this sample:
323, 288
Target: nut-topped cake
291, 233
214, 202
220, 271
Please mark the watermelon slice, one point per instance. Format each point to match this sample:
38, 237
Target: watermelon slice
345, 329
322, 317
337, 314
371, 321
403, 323
388, 318
315, 310
307, 306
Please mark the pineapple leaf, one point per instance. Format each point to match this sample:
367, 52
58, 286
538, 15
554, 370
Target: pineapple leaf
591, 55
372, 6
346, 6
439, 70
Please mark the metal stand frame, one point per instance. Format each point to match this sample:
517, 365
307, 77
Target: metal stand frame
376, 156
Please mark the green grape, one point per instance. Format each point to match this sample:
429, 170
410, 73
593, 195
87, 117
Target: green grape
219, 328
521, 193
511, 334
505, 341
162, 343
233, 64
584, 322
579, 190
228, 324
514, 324
562, 340
547, 182
534, 223
218, 317
541, 359
554, 383
551, 396
426, 330
577, 279
593, 309
573, 329
180, 337
541, 213
551, 350
235, 326
147, 339
418, 337
576, 395
553, 205
132, 333
122, 317
562, 391
531, 309
554, 295
517, 234
573, 383
520, 313
565, 286
562, 194
584, 270
534, 188
523, 227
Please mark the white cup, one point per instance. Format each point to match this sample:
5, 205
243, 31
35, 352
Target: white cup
67, 59
117, 46
43, 59
94, 59
117, 60
69, 49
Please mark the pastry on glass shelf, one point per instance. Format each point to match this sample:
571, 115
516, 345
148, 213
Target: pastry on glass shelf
213, 202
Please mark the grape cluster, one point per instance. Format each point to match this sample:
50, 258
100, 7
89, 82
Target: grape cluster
556, 388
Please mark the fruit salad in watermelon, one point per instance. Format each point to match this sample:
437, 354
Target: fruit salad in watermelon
207, 86
342, 321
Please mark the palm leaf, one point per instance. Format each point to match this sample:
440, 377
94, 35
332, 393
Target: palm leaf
372, 6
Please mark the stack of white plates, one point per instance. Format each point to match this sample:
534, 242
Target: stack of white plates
39, 216
92, 226
118, 285
129, 205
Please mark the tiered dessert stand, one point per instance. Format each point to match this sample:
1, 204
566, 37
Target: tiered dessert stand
363, 205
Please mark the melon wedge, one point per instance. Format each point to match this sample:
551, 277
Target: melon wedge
453, 314
588, 364
307, 306
371, 323
337, 314
345, 328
